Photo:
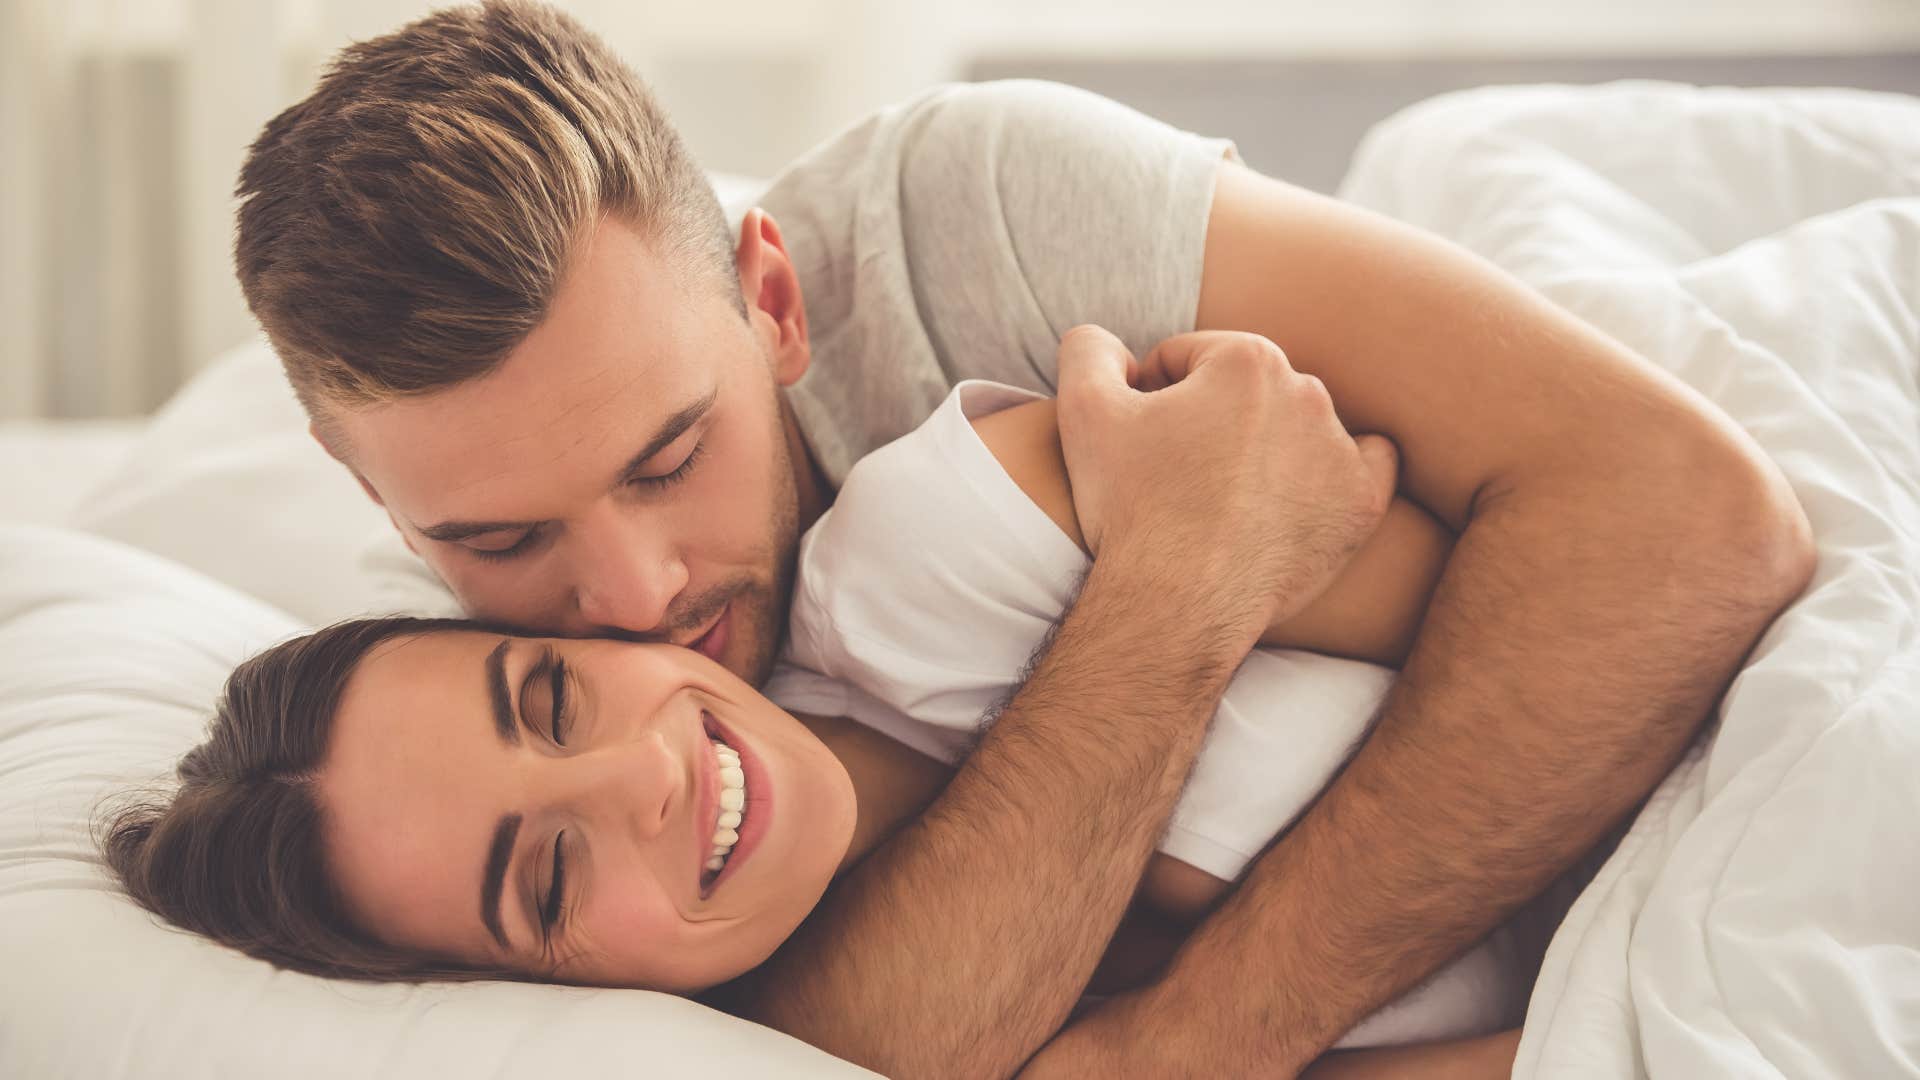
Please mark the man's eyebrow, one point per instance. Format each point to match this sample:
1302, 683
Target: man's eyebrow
449, 532
494, 880
497, 693
453, 531
674, 427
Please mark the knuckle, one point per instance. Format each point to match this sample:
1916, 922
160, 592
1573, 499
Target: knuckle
1243, 361
1312, 394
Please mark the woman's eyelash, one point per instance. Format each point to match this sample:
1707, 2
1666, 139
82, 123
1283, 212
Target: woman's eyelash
550, 911
558, 696
676, 475
558, 677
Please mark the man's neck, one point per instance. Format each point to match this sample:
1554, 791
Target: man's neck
811, 486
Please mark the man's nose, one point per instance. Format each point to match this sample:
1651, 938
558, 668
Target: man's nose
626, 577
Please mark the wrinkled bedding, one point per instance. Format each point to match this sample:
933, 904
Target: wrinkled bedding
1762, 916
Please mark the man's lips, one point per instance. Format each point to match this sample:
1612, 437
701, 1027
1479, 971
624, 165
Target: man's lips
713, 641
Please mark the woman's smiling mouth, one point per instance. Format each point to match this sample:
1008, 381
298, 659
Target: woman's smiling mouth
739, 803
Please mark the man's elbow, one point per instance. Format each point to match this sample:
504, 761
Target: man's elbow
1781, 540
1753, 540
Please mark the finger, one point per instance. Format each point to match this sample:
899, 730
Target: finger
1179, 356
1382, 460
1091, 361
1171, 361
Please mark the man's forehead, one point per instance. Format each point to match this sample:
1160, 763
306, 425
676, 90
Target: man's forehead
624, 344
487, 449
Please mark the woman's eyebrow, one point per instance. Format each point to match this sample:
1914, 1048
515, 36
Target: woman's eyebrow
493, 879
497, 692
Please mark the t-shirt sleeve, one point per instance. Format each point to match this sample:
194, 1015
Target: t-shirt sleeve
1046, 206
958, 234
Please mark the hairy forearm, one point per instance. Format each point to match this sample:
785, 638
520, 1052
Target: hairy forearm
1577, 639
1033, 851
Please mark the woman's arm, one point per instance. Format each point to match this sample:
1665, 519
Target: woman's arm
1372, 611
1483, 1058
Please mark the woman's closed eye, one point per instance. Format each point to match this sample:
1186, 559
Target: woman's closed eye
545, 696
556, 889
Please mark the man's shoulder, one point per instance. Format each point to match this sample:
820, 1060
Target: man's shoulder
957, 234
1009, 135
956, 115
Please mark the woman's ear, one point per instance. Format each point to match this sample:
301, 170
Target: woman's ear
771, 288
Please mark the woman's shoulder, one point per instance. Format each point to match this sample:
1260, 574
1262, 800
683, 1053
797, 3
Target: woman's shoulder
1025, 440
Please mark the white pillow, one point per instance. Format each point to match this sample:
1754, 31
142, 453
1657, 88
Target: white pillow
110, 659
227, 481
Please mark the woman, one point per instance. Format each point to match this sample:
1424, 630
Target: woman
439, 799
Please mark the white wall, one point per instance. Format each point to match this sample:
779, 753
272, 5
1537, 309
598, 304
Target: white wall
778, 75
123, 121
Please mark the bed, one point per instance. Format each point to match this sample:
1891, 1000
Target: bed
1758, 919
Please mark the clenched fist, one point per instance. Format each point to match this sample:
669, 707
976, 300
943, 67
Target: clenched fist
1217, 473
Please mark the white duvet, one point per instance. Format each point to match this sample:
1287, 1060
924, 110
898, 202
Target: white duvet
1763, 915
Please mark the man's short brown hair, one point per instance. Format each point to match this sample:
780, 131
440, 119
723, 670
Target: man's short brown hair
405, 226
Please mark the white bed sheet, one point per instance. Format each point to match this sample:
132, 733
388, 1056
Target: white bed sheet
1760, 918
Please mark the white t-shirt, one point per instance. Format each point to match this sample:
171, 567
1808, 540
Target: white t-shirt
925, 589
933, 578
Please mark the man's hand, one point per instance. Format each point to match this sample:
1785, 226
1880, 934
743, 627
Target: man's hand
923, 960
1236, 480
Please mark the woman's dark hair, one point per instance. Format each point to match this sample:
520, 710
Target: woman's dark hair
235, 853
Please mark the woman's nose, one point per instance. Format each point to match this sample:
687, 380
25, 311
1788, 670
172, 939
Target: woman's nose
625, 576
638, 787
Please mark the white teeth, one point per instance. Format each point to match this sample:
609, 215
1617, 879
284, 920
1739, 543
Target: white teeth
733, 798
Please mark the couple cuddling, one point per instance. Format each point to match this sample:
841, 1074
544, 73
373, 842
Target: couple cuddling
1078, 752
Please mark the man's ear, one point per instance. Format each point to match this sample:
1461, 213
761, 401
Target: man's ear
772, 291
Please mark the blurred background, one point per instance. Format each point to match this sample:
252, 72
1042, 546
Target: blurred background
122, 122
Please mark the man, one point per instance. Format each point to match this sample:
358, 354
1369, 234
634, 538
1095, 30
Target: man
509, 302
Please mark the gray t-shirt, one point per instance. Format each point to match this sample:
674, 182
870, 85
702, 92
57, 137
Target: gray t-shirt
958, 234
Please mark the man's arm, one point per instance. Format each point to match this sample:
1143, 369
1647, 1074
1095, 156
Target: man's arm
1622, 545
963, 942
1370, 611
